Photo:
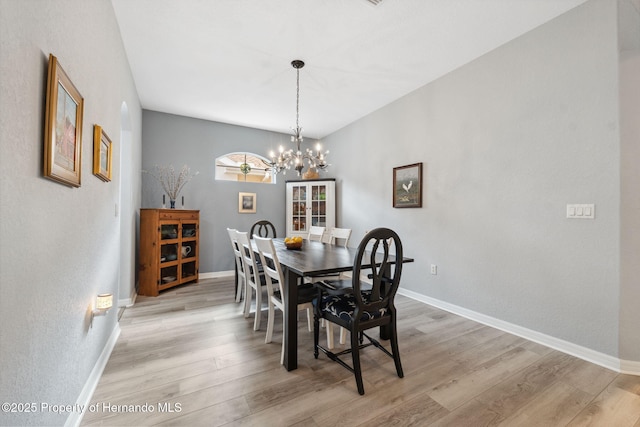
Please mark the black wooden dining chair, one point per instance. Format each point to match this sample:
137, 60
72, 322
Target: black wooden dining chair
358, 306
263, 228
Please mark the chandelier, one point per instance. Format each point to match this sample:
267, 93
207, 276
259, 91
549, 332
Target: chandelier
296, 158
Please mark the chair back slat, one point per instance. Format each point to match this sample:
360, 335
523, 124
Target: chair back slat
263, 228
236, 250
385, 275
316, 233
340, 236
270, 264
248, 258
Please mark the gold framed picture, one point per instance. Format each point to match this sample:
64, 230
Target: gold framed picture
247, 202
63, 127
407, 186
101, 154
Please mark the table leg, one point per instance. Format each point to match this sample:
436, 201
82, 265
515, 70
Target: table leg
290, 333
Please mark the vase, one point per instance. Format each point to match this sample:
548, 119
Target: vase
172, 203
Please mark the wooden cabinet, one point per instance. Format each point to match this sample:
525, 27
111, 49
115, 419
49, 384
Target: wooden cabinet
169, 249
310, 202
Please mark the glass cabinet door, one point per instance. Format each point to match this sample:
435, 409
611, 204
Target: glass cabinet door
319, 205
299, 208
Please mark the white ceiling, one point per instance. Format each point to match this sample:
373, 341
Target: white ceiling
230, 60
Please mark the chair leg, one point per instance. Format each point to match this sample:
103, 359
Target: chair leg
355, 354
395, 350
247, 299
329, 327
343, 335
282, 351
270, 322
256, 321
238, 287
239, 294
309, 319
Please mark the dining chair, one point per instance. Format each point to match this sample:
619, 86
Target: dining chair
359, 306
340, 236
263, 228
274, 278
254, 279
239, 273
316, 233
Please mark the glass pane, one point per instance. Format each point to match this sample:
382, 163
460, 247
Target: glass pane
168, 231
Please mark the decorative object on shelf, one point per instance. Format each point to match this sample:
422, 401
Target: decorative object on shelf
407, 186
103, 303
172, 183
62, 127
247, 202
102, 154
295, 159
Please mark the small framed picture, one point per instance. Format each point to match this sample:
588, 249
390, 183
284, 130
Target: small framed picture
63, 127
101, 154
247, 202
407, 186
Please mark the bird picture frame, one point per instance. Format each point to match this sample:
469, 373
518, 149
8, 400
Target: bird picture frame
407, 186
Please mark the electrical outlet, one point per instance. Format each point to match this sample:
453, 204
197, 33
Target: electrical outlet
434, 269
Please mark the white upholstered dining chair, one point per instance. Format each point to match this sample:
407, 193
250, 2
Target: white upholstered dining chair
253, 277
240, 278
316, 233
274, 277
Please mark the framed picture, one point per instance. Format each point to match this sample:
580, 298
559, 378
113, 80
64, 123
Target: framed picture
407, 186
63, 127
101, 154
247, 202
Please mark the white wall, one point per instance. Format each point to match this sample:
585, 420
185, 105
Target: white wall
59, 246
507, 141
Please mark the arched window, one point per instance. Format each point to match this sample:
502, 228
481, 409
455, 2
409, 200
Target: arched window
243, 166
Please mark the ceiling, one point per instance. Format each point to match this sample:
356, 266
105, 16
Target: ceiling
230, 60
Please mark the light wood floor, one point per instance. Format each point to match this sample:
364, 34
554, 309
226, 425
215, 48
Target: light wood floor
191, 351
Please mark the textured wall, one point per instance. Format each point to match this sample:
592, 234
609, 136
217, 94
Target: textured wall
630, 203
507, 141
169, 139
59, 246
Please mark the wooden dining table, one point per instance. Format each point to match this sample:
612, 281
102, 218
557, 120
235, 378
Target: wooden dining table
312, 260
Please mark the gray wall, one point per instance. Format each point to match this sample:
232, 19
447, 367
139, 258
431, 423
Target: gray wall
630, 182
507, 141
175, 140
59, 247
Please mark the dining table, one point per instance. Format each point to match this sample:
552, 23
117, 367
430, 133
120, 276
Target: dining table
313, 259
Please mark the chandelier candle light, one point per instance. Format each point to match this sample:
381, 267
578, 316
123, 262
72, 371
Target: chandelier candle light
172, 183
285, 160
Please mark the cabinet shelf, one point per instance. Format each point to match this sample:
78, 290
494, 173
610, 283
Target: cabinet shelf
164, 233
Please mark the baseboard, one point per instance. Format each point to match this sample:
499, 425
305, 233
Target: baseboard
629, 367
128, 302
216, 274
90, 385
604, 360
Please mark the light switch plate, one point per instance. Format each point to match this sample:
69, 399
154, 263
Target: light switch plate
581, 211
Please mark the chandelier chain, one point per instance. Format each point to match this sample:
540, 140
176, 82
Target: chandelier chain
298, 98
296, 160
